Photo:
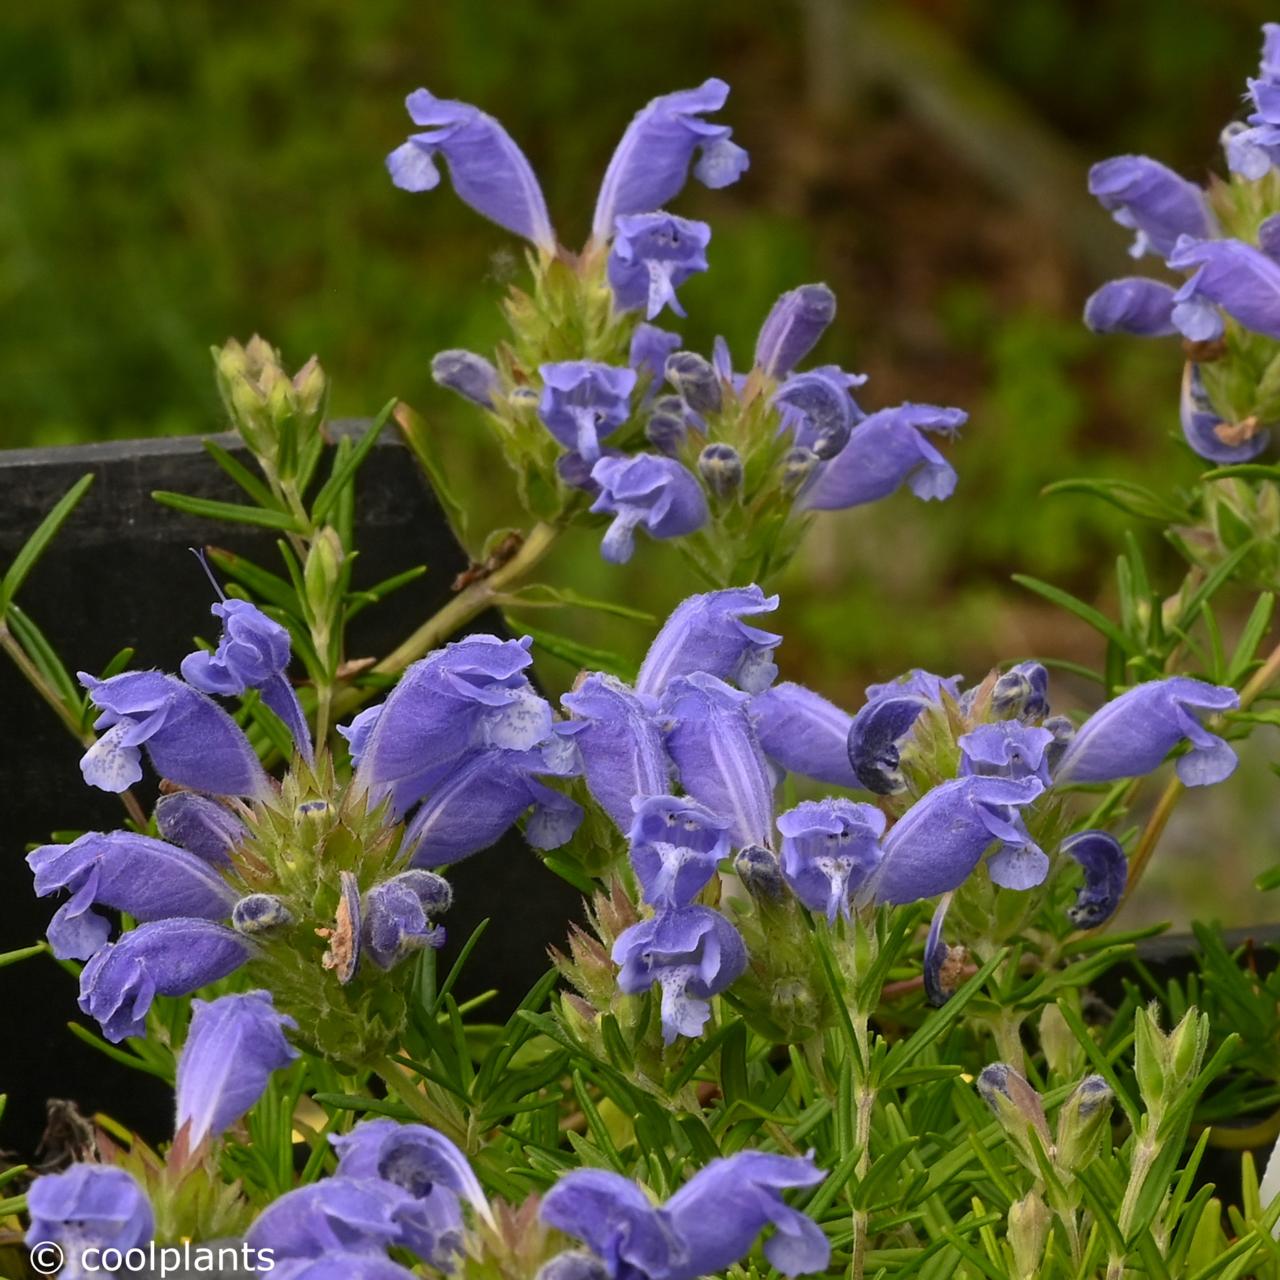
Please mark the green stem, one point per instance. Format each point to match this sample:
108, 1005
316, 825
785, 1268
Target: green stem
398, 1082
864, 1104
1144, 1157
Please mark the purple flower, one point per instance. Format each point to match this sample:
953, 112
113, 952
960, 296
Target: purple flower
147, 878
941, 962
253, 653
1206, 433
697, 380
934, 846
583, 401
258, 913
706, 633
1005, 749
473, 805
334, 1215
713, 742
694, 953
189, 738
1152, 200
653, 254
802, 732
1022, 692
471, 376
645, 491
650, 347
1106, 872
829, 848
651, 163
1133, 733
199, 825
85, 1206
489, 172
1230, 274
878, 731
432, 1172
617, 733
667, 427
819, 409
708, 1225
792, 328
1253, 149
171, 957
470, 695
885, 451
676, 845
397, 916
233, 1045
1133, 305
341, 1266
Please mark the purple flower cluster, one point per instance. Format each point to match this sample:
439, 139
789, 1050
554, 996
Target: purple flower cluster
704, 1228
1226, 278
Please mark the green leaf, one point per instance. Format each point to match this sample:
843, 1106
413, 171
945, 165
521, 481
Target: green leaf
580, 657
1244, 471
345, 468
45, 657
233, 512
1210, 586
1086, 612
263, 583
36, 545
538, 595
417, 435
1133, 499
242, 476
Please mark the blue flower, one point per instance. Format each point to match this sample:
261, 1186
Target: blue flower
1152, 200
829, 848
707, 633
934, 846
885, 451
1106, 872
653, 254
646, 491
199, 825
878, 731
650, 347
1206, 432
489, 172
693, 953
1133, 305
233, 1045
583, 401
1132, 734
1254, 148
1239, 278
651, 162
617, 733
713, 742
252, 653
338, 1215
88, 1205
792, 328
171, 957
469, 375
1022, 692
705, 1227
397, 913
819, 409
676, 845
149, 879
1005, 749
189, 738
942, 964
802, 732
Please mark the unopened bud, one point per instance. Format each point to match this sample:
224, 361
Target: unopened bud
721, 468
758, 869
666, 429
311, 387
577, 1264
1018, 1108
1063, 731
260, 913
797, 467
469, 375
1084, 1118
322, 572
1029, 1222
696, 380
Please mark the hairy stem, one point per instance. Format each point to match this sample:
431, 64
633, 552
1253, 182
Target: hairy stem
1144, 1156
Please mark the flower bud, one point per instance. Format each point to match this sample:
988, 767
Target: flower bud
1063, 731
1018, 1108
1083, 1120
1029, 1222
311, 388
696, 380
797, 467
1062, 1050
576, 1264
758, 869
721, 467
666, 429
260, 913
469, 375
322, 573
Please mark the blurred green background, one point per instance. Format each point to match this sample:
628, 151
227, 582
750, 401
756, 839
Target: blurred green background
173, 172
